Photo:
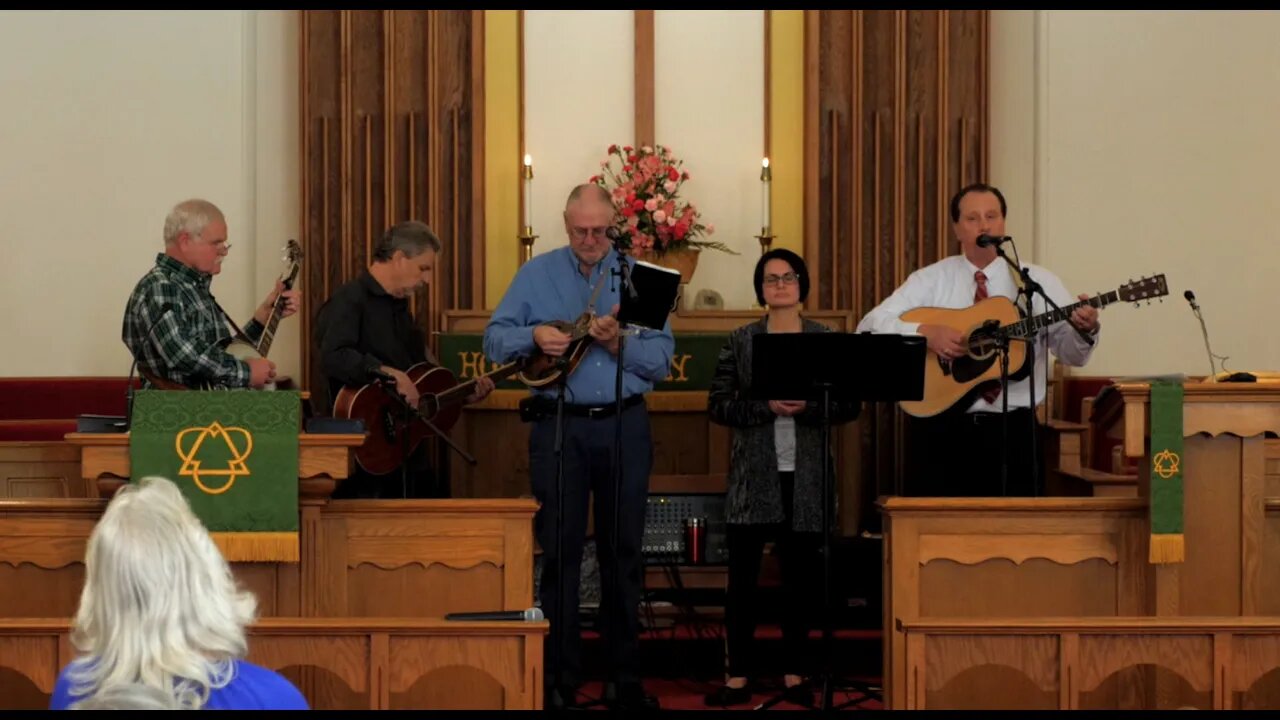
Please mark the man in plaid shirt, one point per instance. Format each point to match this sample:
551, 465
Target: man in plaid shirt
172, 324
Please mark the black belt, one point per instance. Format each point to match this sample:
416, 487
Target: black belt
595, 412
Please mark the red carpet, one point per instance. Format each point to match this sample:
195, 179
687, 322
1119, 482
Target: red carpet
688, 694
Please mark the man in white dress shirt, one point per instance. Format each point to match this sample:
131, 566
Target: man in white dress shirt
960, 452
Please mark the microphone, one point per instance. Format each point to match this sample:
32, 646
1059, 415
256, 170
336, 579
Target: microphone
532, 614
1191, 299
624, 270
128, 416
989, 240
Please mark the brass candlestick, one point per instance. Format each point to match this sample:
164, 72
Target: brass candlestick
766, 240
526, 244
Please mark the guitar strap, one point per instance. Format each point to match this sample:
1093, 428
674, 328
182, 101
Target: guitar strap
595, 294
240, 334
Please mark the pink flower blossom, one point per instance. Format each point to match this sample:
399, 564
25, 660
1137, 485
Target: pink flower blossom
651, 205
669, 186
659, 216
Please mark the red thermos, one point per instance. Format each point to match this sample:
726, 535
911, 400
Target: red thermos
695, 540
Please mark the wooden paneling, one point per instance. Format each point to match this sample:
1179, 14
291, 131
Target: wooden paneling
338, 664
392, 131
1210, 663
896, 122
40, 470
362, 558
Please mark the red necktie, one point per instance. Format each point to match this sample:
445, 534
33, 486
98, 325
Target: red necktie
979, 295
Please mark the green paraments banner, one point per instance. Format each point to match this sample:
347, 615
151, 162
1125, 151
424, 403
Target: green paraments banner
1167, 542
235, 456
692, 364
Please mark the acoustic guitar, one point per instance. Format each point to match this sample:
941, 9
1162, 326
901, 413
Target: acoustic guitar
440, 402
240, 347
988, 325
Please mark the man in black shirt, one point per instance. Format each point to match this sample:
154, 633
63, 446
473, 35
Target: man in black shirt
365, 329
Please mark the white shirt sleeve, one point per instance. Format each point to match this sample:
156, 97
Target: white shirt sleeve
1064, 341
917, 291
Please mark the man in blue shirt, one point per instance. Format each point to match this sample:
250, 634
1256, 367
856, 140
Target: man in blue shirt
562, 285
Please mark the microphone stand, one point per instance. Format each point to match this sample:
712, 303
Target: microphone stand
558, 625
1029, 289
625, 291
390, 389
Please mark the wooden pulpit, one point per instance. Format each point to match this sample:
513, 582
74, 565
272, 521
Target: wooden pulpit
1231, 486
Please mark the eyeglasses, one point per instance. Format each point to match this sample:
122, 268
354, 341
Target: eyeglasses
785, 279
581, 233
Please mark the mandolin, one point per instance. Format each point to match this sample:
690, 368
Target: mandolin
440, 402
540, 369
986, 326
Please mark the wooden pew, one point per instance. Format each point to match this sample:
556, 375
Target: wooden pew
1128, 663
359, 558
337, 663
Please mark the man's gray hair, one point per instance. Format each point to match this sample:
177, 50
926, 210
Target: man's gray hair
411, 237
191, 217
592, 191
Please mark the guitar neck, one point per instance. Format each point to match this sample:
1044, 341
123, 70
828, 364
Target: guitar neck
269, 330
461, 391
1034, 324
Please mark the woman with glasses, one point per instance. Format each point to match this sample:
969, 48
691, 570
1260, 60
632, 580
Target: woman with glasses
775, 486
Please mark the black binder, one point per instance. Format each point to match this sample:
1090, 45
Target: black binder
656, 289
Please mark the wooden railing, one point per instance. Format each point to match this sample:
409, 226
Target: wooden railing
1126, 663
337, 663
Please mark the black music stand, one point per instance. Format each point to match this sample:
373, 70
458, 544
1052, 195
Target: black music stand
822, 368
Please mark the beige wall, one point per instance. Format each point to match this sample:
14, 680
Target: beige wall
112, 117
1132, 143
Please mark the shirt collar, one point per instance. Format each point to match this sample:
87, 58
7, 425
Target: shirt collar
371, 284
985, 270
172, 266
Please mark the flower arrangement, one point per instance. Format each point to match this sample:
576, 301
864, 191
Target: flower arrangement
645, 187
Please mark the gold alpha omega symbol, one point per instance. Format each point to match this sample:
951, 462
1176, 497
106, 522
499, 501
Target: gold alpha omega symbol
190, 441
1165, 463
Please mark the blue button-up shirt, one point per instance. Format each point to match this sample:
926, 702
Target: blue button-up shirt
551, 287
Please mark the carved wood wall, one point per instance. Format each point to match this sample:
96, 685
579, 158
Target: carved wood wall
895, 123
393, 130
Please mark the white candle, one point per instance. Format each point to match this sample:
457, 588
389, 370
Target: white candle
766, 179
528, 191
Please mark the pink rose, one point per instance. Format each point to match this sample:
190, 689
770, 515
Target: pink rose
659, 216
669, 186
651, 205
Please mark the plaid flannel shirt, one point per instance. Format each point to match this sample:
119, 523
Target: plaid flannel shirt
185, 343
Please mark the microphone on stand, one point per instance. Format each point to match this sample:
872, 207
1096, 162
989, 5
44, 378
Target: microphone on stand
989, 240
1204, 331
530, 615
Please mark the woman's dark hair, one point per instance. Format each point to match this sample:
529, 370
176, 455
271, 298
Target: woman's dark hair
797, 266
